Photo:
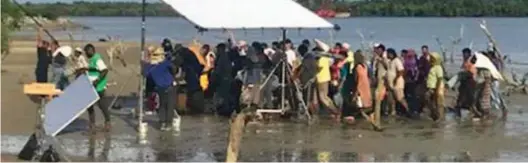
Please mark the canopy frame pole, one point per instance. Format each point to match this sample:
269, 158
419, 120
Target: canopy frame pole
142, 131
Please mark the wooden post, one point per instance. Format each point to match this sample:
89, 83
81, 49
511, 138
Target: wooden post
235, 136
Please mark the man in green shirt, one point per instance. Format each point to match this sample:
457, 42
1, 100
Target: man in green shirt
97, 73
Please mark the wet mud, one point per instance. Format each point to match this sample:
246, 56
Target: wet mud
204, 138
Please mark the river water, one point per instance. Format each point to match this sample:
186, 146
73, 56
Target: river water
399, 33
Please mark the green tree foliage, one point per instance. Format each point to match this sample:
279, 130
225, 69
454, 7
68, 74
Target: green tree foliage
80, 8
444, 8
11, 19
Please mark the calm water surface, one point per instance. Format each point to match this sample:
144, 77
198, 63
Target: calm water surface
510, 33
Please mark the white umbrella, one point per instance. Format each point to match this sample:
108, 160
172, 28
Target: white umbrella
485, 62
65, 50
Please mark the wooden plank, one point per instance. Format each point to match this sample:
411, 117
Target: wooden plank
235, 136
40, 89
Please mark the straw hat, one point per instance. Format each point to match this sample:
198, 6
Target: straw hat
322, 45
157, 56
79, 50
64, 50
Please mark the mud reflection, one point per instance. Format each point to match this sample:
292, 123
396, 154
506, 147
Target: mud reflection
93, 143
204, 139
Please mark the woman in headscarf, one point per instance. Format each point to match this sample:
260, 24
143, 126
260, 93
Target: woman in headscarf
358, 83
410, 64
435, 87
162, 73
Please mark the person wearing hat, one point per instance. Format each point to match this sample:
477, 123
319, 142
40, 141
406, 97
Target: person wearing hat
97, 74
58, 66
435, 87
79, 66
162, 73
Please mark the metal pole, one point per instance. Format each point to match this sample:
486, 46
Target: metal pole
283, 73
141, 126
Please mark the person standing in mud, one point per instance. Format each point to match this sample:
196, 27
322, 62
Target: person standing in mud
466, 89
192, 69
435, 88
97, 73
43, 59
59, 65
395, 82
358, 93
496, 98
423, 67
484, 95
381, 64
151, 105
209, 57
410, 64
323, 78
162, 73
307, 75
223, 82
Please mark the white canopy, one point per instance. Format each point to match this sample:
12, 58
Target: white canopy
247, 14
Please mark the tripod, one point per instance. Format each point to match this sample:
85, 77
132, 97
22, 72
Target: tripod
285, 70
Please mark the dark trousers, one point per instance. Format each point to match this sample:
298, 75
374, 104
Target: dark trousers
103, 105
41, 75
226, 99
167, 99
195, 101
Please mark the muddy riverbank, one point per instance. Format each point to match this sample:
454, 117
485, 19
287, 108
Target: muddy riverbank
203, 138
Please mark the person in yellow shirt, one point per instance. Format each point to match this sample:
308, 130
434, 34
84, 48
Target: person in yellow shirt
435, 87
323, 78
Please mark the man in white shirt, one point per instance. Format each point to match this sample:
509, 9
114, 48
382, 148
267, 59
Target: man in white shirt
291, 56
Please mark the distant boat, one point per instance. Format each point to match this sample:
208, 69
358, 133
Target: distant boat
326, 13
342, 15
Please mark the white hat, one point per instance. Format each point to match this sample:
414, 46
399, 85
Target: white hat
242, 43
377, 44
78, 49
321, 45
64, 50
346, 46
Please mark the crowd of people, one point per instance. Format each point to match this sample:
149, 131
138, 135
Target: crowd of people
235, 75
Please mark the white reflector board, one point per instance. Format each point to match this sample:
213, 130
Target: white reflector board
249, 14
62, 110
